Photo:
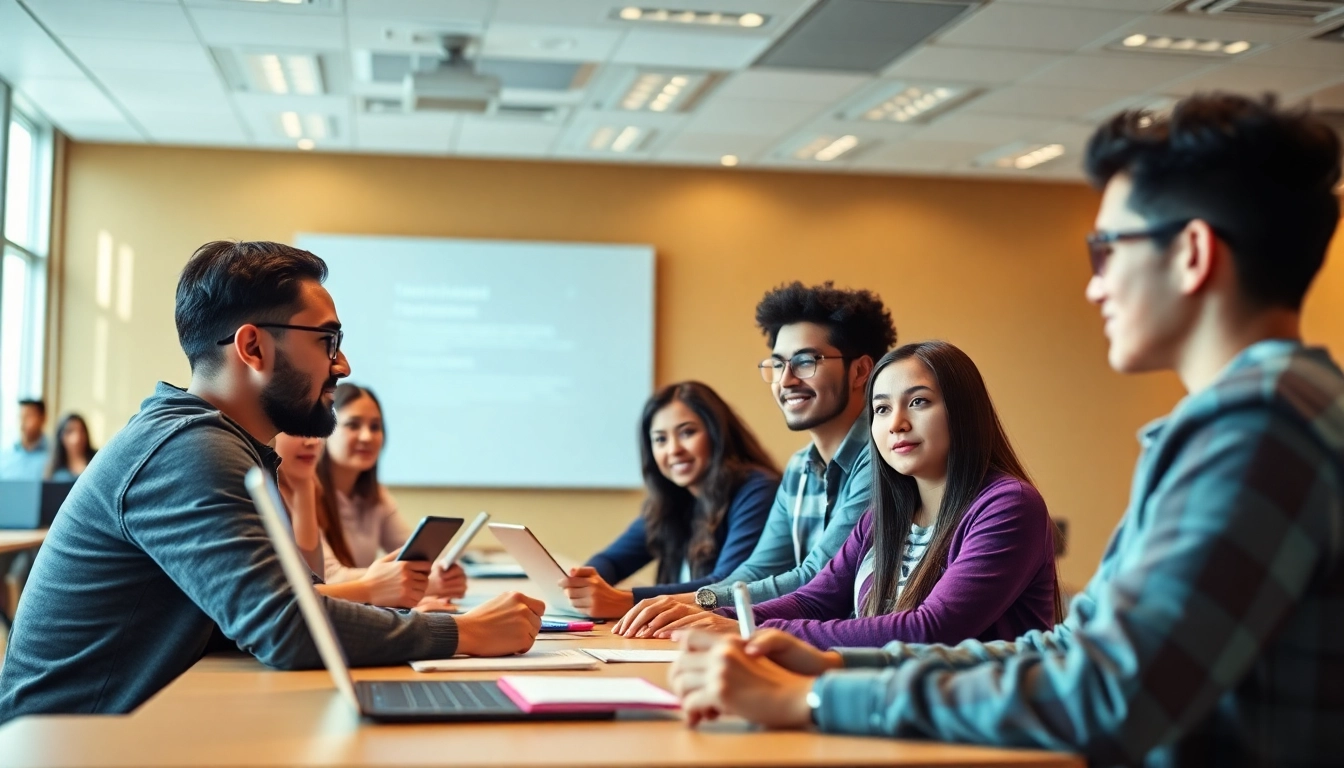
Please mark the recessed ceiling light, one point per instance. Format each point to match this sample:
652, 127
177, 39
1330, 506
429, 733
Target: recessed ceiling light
1021, 156
306, 144
665, 91
310, 126
697, 18
1194, 46
728, 160
826, 148
620, 139
284, 73
904, 103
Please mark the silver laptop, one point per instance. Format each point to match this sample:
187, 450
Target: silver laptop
391, 700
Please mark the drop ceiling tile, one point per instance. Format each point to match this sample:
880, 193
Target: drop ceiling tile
586, 122
791, 85
406, 36
115, 19
1302, 54
1245, 78
926, 155
110, 131
487, 136
550, 43
195, 127
993, 129
692, 145
689, 49
27, 51
1031, 101
73, 101
100, 54
551, 12
149, 90
969, 65
752, 117
1137, 6
475, 11
408, 134
257, 28
1036, 27
1132, 72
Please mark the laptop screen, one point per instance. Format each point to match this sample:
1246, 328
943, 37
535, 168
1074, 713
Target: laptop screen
267, 500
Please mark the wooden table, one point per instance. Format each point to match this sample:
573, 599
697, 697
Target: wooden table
13, 541
229, 710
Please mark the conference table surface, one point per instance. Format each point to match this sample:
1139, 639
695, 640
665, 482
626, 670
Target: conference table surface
230, 710
13, 541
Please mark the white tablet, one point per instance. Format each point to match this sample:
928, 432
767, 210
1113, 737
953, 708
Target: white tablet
540, 567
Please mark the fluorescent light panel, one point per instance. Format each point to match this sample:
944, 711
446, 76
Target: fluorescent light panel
662, 91
1193, 46
619, 139
284, 73
696, 18
1020, 157
308, 127
905, 103
826, 148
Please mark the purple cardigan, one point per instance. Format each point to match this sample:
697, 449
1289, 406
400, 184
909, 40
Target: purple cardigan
999, 582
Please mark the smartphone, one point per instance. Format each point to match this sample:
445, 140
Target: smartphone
429, 538
455, 552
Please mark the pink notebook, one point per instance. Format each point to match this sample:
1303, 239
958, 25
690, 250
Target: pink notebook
547, 693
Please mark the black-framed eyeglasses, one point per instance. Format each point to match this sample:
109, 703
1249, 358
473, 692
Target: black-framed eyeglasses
803, 365
334, 336
1099, 241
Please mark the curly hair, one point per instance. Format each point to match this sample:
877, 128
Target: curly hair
857, 322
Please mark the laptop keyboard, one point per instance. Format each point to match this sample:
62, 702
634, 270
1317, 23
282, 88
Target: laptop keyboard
440, 696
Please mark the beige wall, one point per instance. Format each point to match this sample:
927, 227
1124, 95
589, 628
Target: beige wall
997, 268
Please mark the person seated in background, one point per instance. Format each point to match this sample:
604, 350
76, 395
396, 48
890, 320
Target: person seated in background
710, 485
27, 458
158, 554
385, 582
361, 527
1213, 630
73, 450
824, 342
957, 544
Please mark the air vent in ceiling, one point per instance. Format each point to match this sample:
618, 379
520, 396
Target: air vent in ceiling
1293, 11
860, 35
540, 113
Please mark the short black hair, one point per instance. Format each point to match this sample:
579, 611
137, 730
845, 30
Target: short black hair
226, 284
857, 322
1263, 178
35, 403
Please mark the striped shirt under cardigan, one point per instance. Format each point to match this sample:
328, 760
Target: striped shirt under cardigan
1213, 630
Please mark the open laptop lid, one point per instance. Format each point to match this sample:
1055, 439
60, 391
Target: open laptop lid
267, 500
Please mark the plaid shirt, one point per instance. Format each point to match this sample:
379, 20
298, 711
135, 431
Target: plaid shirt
1213, 630
829, 499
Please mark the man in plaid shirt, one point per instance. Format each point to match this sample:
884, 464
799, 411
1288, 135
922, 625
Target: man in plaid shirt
1213, 630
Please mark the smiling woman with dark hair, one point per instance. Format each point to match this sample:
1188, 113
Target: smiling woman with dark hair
710, 485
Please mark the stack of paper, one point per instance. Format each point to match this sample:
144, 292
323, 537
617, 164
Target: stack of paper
566, 659
636, 657
585, 694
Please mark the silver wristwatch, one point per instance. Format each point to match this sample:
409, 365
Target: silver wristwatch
706, 598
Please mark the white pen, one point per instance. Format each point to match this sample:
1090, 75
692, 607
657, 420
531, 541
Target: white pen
746, 622
455, 552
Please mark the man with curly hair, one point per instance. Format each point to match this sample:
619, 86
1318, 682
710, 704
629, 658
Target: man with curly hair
824, 341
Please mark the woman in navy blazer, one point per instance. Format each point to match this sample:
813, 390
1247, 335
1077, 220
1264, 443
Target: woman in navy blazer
710, 487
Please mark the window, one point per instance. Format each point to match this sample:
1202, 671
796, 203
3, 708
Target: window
25, 196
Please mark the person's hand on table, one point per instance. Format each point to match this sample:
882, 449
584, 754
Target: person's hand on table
432, 604
501, 626
716, 676
449, 583
654, 613
590, 593
704, 621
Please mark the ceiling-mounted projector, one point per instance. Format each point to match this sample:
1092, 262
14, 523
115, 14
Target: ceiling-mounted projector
454, 86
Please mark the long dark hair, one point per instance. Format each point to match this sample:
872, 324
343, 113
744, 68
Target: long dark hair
60, 458
978, 446
366, 485
678, 525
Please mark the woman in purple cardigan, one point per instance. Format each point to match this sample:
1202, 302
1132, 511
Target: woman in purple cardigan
957, 544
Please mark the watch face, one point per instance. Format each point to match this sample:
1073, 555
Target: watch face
705, 598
